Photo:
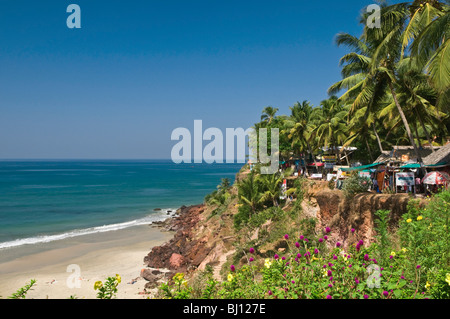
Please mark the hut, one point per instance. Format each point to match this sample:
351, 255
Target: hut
439, 160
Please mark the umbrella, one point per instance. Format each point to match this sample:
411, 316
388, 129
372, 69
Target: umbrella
436, 178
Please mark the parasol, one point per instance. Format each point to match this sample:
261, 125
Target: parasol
436, 178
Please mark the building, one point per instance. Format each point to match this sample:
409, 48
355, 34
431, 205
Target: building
405, 154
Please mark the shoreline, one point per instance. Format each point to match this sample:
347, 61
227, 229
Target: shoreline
98, 256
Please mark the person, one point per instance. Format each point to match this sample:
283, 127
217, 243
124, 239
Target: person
375, 185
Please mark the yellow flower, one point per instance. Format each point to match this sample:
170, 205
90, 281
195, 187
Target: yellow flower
409, 220
427, 286
404, 250
267, 263
98, 285
447, 278
230, 277
314, 258
178, 277
118, 278
393, 253
420, 218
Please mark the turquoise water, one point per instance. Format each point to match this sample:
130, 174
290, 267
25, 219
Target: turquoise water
43, 201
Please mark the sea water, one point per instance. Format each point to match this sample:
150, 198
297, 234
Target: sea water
45, 201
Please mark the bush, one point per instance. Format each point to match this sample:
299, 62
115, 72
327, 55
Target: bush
356, 184
108, 289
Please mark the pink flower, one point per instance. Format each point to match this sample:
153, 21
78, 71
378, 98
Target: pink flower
329, 297
251, 259
286, 236
232, 268
353, 230
301, 237
320, 240
327, 230
325, 237
297, 245
338, 244
252, 250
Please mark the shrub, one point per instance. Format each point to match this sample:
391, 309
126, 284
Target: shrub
355, 184
22, 292
108, 289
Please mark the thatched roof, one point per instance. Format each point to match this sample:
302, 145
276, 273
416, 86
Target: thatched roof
398, 152
440, 157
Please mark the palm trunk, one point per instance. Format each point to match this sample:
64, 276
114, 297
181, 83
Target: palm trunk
426, 131
417, 135
370, 151
378, 137
405, 123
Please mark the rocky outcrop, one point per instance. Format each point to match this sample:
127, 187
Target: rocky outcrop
182, 253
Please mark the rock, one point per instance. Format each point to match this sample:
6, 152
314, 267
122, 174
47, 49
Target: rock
151, 275
157, 209
182, 252
176, 261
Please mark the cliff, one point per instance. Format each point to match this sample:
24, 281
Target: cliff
202, 238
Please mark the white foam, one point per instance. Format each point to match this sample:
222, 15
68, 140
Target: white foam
161, 215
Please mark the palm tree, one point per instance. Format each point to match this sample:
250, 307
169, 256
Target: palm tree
249, 192
373, 74
272, 186
363, 92
331, 125
429, 28
297, 126
268, 114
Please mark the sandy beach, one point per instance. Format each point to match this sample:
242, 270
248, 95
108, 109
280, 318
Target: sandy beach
97, 257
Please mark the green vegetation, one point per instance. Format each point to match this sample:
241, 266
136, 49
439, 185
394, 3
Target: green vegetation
356, 184
395, 89
414, 266
22, 292
108, 289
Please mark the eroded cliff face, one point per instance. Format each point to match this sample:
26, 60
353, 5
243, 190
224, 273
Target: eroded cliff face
342, 214
201, 238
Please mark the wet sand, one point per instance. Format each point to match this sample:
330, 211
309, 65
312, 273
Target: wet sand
96, 256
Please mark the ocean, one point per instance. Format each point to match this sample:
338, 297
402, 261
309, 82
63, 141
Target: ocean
45, 201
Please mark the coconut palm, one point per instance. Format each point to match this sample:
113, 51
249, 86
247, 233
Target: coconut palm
249, 192
268, 114
430, 32
331, 125
297, 126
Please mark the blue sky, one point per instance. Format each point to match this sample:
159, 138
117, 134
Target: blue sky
136, 70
